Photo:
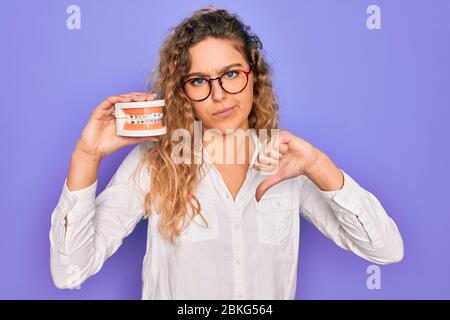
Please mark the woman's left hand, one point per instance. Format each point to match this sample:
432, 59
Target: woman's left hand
283, 156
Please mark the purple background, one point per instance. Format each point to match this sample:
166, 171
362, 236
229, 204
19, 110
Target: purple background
376, 101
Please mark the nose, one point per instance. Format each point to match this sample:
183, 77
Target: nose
217, 93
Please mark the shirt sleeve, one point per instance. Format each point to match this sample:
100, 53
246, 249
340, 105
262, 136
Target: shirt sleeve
96, 226
354, 219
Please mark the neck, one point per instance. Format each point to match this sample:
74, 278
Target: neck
234, 147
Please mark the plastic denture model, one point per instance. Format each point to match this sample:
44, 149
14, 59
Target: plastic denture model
140, 119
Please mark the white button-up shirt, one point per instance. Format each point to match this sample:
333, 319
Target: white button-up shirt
249, 249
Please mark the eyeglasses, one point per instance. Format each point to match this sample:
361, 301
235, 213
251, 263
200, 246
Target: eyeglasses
232, 81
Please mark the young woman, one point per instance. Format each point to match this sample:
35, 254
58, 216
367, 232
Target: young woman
215, 230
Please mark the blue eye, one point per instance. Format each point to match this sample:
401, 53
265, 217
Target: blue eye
231, 74
197, 81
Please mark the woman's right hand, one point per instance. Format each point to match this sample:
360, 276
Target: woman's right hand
99, 137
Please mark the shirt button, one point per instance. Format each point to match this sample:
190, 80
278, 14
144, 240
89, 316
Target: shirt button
241, 295
238, 261
236, 226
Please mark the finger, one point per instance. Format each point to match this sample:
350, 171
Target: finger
151, 96
264, 167
125, 99
282, 143
137, 92
271, 153
132, 95
272, 148
136, 140
274, 154
283, 148
267, 154
139, 97
267, 160
135, 96
111, 101
274, 142
265, 185
144, 139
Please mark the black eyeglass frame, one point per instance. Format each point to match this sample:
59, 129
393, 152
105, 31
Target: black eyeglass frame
219, 78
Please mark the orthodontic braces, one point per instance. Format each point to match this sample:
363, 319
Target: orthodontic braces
141, 118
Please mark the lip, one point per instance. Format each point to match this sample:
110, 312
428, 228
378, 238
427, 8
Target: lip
224, 112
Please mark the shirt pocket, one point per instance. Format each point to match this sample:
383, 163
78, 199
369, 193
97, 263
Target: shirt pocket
275, 217
198, 229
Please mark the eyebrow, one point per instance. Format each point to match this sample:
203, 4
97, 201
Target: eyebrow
220, 71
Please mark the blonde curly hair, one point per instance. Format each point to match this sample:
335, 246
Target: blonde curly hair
172, 185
